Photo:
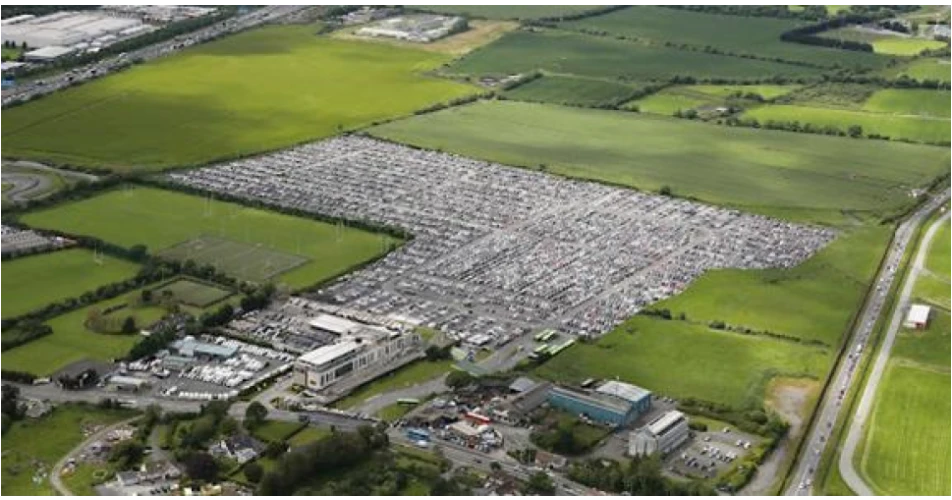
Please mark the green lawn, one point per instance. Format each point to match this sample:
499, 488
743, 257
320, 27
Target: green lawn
9, 53
914, 128
669, 101
308, 435
884, 43
756, 169
813, 301
414, 373
736, 34
571, 90
907, 452
259, 90
160, 219
507, 11
710, 365
32, 447
583, 55
931, 345
938, 260
275, 430
394, 412
194, 292
933, 284
37, 280
72, 341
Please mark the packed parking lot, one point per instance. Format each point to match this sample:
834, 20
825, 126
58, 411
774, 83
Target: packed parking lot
499, 250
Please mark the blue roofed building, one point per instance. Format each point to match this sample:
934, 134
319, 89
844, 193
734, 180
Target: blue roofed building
617, 405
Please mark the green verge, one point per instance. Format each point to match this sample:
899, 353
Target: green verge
411, 374
255, 91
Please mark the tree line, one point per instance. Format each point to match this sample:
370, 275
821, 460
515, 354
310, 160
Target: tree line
637, 477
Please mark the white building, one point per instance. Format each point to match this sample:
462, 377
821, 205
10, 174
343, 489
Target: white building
65, 28
918, 317
363, 348
661, 435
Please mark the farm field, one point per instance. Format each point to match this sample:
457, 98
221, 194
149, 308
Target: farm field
255, 91
162, 219
194, 293
812, 302
913, 128
938, 260
757, 169
521, 12
583, 55
907, 450
885, 43
37, 280
559, 89
685, 97
921, 69
930, 346
33, 445
933, 284
910, 102
73, 341
644, 351
736, 34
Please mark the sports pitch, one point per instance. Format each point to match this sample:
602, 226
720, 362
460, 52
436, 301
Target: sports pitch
759, 170
259, 90
32, 282
242, 240
194, 293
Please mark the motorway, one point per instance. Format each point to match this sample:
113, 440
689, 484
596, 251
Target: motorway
39, 87
803, 477
857, 426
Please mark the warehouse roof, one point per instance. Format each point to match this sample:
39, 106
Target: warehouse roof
522, 384
607, 401
918, 313
661, 424
333, 324
628, 392
328, 353
51, 52
190, 347
123, 380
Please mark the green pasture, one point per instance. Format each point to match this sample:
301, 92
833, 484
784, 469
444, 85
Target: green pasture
812, 302
32, 282
160, 219
685, 97
669, 101
194, 292
921, 69
938, 260
569, 90
885, 43
307, 435
737, 34
764, 91
758, 169
32, 447
259, 90
411, 374
929, 346
72, 341
682, 360
922, 102
275, 431
913, 128
518, 12
583, 55
907, 450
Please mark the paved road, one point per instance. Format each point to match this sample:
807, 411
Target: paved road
816, 442
83, 176
25, 186
55, 478
849, 473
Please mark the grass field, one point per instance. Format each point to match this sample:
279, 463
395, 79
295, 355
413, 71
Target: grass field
72, 341
711, 365
259, 90
246, 260
308, 435
9, 53
32, 447
914, 128
577, 54
414, 373
933, 284
919, 102
275, 430
885, 43
570, 90
194, 292
907, 452
757, 169
938, 260
37, 280
161, 219
813, 301
922, 69
737, 34
526, 12
685, 97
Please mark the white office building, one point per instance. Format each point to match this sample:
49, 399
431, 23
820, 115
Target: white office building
662, 435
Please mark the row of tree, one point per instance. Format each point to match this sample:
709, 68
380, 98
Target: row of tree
637, 477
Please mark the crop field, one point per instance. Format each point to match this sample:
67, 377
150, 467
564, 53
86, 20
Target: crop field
885, 43
37, 280
921, 102
521, 12
736, 34
72, 341
259, 90
716, 366
812, 302
194, 292
602, 57
922, 69
907, 452
758, 169
571, 90
913, 128
161, 219
685, 97
35, 445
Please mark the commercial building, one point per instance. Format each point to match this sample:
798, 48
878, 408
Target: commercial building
191, 348
637, 397
363, 347
65, 29
918, 317
336, 325
661, 435
598, 407
423, 28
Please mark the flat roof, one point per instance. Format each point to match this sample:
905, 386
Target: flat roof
522, 384
189, 347
661, 424
918, 313
328, 353
124, 380
333, 324
628, 392
50, 52
606, 401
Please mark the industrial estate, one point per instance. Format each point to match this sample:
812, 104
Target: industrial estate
476, 250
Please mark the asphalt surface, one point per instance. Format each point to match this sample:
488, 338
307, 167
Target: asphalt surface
863, 410
56, 480
803, 477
